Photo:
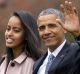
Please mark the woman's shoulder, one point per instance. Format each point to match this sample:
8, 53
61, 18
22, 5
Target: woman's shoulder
29, 59
28, 63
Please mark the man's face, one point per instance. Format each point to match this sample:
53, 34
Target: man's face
51, 32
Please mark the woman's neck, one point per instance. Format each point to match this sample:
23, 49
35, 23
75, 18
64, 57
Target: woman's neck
17, 51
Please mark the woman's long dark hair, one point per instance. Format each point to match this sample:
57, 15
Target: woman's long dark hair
32, 40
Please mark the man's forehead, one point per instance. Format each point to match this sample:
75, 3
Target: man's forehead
47, 19
49, 16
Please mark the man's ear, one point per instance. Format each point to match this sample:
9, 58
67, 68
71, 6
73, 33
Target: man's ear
64, 31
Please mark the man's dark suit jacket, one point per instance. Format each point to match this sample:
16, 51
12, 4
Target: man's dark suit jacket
66, 62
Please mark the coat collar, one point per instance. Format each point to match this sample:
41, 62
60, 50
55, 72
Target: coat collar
21, 58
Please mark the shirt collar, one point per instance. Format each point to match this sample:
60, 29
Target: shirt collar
57, 50
21, 58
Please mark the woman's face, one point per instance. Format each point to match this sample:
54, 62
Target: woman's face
14, 34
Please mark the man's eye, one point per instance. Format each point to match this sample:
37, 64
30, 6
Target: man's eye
52, 25
41, 28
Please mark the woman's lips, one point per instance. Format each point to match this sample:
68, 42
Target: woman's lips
9, 40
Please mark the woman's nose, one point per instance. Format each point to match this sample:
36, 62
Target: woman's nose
10, 32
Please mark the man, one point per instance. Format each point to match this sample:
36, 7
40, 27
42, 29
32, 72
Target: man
52, 26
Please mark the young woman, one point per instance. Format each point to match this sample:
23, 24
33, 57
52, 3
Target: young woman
22, 44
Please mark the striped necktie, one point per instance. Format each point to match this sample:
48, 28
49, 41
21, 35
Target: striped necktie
50, 59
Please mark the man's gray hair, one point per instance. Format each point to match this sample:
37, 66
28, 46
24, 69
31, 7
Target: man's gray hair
59, 14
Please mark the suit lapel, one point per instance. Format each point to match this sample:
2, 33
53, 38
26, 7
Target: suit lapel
59, 57
39, 63
56, 61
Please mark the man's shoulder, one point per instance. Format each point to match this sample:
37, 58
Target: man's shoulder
75, 45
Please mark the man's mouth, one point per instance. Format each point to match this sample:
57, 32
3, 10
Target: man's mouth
48, 37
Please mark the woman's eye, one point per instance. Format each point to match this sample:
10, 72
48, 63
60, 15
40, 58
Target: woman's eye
7, 29
17, 30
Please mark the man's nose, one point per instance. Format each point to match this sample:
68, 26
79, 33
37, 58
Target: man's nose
47, 31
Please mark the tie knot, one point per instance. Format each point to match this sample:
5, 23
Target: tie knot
51, 57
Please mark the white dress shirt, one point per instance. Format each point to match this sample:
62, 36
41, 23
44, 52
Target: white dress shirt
55, 53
